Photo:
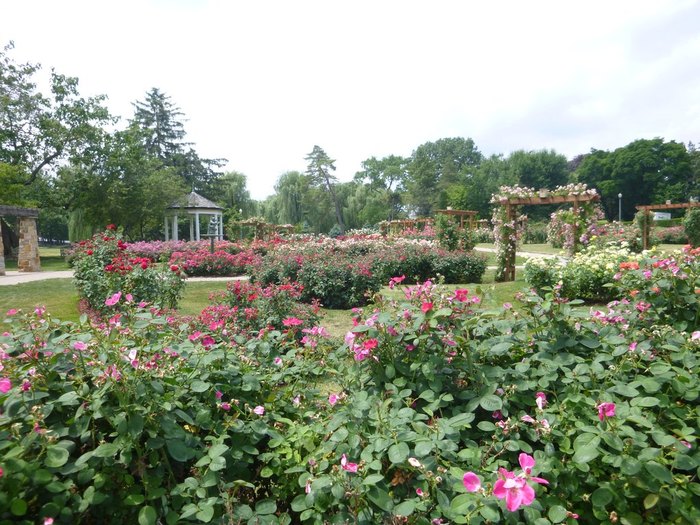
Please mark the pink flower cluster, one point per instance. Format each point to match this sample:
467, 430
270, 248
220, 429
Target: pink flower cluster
513, 488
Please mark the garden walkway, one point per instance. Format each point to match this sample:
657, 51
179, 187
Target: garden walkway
15, 277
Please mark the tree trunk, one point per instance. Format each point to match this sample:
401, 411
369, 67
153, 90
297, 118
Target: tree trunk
338, 212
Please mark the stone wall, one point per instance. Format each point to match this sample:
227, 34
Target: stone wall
28, 256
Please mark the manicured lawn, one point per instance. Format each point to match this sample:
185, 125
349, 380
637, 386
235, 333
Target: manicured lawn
57, 295
51, 260
61, 300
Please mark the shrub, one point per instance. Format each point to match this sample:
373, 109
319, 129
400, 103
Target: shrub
536, 233
691, 223
106, 275
250, 309
219, 263
669, 235
450, 236
589, 275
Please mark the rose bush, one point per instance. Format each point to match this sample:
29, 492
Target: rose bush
103, 269
433, 411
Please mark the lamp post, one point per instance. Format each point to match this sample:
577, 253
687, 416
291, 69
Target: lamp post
619, 206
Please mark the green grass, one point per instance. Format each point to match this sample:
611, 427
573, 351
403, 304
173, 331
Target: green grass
61, 299
50, 258
57, 295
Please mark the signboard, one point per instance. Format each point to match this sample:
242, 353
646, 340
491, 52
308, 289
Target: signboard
661, 216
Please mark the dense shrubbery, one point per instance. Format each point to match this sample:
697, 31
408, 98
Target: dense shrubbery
432, 412
217, 264
105, 272
589, 275
691, 224
344, 274
669, 235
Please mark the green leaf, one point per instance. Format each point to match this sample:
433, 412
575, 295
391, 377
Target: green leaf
462, 503
658, 471
557, 514
644, 402
590, 343
601, 497
266, 506
491, 402
199, 386
106, 450
373, 479
380, 498
586, 451
624, 390
178, 450
405, 508
650, 501
217, 450
69, 398
205, 513
147, 515
18, 507
134, 499
398, 452
56, 456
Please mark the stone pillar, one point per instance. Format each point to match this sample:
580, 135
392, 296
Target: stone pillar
28, 256
2, 253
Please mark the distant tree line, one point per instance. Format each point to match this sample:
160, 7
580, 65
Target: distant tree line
85, 168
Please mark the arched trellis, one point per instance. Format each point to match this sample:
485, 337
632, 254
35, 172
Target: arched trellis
657, 207
531, 198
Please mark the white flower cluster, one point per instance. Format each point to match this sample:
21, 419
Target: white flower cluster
574, 189
513, 192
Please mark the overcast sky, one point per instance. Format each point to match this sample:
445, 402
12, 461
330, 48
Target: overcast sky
262, 82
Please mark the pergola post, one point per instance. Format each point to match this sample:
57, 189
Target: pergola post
573, 247
512, 245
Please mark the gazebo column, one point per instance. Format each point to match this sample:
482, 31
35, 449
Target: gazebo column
191, 228
221, 226
196, 224
175, 227
167, 227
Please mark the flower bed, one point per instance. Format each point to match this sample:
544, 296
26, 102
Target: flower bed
106, 275
432, 411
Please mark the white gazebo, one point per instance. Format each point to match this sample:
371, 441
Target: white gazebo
193, 205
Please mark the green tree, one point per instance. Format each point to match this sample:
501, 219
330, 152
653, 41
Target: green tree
37, 131
435, 167
319, 169
291, 188
539, 169
163, 136
235, 197
385, 177
646, 171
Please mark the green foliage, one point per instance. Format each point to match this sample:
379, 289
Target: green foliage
589, 275
157, 420
691, 223
451, 236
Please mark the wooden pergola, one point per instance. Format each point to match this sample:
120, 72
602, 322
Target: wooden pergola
400, 225
657, 207
462, 214
511, 208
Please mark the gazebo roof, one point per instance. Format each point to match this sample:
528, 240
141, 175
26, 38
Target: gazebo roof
194, 201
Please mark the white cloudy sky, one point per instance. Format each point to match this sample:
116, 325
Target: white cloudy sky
261, 82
